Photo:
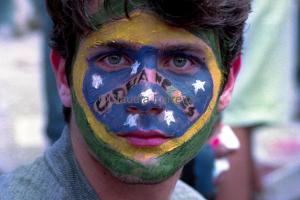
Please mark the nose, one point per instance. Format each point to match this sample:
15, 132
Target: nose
150, 74
135, 109
148, 103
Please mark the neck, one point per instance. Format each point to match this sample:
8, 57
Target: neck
109, 187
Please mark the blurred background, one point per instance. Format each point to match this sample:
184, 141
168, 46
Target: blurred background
28, 114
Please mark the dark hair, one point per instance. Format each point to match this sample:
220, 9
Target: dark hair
225, 17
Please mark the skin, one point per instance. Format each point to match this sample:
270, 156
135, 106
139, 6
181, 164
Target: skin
99, 149
135, 42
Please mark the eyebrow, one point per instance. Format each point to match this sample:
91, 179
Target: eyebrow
164, 48
181, 47
117, 45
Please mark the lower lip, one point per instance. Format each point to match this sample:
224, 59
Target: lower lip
145, 142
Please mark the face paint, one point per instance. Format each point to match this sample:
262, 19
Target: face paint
135, 68
168, 117
199, 85
131, 120
97, 81
148, 95
154, 106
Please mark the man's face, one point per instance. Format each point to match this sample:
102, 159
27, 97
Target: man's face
144, 96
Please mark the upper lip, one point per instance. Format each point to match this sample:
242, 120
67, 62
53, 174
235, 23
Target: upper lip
144, 134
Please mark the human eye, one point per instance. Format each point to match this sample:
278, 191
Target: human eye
180, 63
113, 61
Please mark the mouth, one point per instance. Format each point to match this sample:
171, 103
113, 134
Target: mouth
145, 138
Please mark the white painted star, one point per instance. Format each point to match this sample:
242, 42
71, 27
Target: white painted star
199, 85
148, 95
131, 120
97, 81
169, 117
135, 67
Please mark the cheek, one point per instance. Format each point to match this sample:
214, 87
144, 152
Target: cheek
98, 86
192, 94
102, 90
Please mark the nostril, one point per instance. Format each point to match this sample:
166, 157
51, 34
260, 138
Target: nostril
137, 110
132, 109
156, 111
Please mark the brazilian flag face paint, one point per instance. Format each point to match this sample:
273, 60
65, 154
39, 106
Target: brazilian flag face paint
144, 96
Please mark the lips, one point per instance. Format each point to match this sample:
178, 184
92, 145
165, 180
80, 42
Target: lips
145, 138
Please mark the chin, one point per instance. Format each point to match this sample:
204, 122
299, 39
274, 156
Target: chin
137, 181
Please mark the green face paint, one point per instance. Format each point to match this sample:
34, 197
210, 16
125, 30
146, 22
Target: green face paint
138, 57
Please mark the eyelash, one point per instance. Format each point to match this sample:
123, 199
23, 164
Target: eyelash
101, 58
193, 59
105, 55
164, 60
188, 56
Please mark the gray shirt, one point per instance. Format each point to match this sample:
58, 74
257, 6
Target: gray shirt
56, 176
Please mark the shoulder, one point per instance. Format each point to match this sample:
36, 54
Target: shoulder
185, 192
29, 182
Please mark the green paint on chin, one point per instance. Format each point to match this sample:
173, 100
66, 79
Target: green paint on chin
165, 165
132, 171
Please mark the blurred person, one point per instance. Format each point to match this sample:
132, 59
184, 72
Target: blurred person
205, 171
264, 92
198, 173
181, 64
6, 17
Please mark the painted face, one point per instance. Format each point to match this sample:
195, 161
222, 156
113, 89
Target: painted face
144, 94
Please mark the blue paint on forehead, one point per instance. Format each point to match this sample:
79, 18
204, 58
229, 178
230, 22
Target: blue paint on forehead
148, 56
123, 85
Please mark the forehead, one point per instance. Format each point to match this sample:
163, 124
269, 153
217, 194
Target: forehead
142, 29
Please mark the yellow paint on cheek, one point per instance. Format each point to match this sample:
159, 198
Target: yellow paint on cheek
141, 29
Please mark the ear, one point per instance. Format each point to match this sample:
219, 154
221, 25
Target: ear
225, 97
58, 67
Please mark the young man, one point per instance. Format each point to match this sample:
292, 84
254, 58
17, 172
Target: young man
142, 83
